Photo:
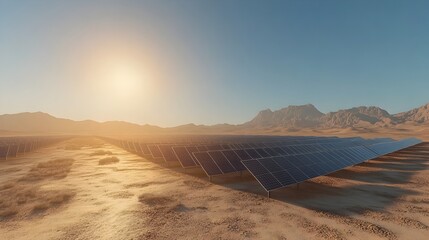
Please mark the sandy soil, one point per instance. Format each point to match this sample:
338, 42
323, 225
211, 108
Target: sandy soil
63, 192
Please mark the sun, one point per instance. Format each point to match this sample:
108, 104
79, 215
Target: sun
125, 79
122, 80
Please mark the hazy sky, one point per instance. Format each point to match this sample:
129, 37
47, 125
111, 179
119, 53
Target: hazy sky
175, 62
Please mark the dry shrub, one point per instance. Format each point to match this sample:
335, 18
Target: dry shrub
23, 199
151, 199
60, 197
43, 206
57, 169
8, 213
100, 153
108, 160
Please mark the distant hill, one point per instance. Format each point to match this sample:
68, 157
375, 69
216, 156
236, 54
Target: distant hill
289, 119
41, 123
416, 115
307, 116
292, 116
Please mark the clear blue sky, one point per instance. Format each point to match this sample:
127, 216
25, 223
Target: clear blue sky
211, 62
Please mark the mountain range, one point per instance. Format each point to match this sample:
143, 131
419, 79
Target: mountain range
289, 119
308, 116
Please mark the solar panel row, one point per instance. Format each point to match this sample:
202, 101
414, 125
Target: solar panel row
275, 163
257, 153
384, 148
12, 146
172, 153
277, 172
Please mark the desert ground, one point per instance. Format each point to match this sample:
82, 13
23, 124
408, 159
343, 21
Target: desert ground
84, 188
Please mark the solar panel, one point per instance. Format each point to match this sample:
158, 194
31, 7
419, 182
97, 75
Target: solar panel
222, 162
3, 151
13, 151
184, 157
207, 163
167, 153
284, 178
145, 150
252, 153
234, 159
389, 147
242, 154
191, 150
279, 151
202, 148
262, 152
155, 152
268, 181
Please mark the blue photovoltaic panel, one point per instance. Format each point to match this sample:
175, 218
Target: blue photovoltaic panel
234, 159
3, 151
279, 151
221, 161
202, 148
243, 155
262, 152
255, 167
389, 147
154, 150
167, 153
268, 181
144, 149
270, 165
184, 157
252, 153
226, 146
13, 151
207, 163
284, 178
191, 150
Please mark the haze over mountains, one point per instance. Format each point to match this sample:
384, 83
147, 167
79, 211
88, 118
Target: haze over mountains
289, 119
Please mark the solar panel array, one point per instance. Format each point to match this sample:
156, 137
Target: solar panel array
384, 148
13, 146
274, 161
223, 161
183, 151
278, 172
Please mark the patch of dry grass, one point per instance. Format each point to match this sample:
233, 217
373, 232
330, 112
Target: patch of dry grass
8, 213
100, 153
56, 169
43, 206
24, 199
24, 196
108, 160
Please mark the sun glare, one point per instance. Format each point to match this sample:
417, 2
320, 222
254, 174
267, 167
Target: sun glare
120, 79
124, 79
